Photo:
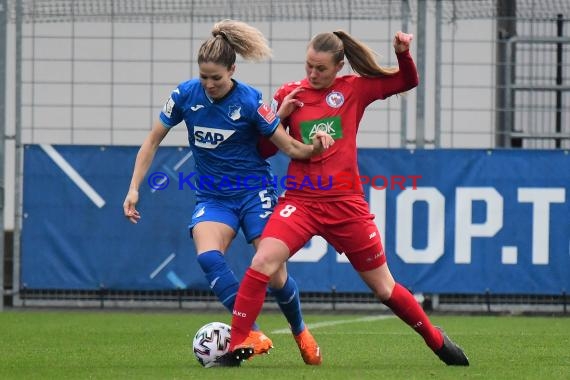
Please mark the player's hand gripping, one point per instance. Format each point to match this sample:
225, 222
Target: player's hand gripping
321, 142
290, 103
129, 209
402, 41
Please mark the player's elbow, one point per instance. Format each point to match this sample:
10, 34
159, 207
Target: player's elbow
414, 81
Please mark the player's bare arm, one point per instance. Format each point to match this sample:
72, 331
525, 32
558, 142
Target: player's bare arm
142, 163
296, 149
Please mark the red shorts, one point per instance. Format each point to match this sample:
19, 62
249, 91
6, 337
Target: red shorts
346, 224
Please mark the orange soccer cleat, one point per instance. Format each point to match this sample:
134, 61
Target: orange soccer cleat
234, 358
259, 341
310, 350
256, 343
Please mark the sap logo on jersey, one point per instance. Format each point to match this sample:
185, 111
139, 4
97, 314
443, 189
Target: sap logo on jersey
210, 138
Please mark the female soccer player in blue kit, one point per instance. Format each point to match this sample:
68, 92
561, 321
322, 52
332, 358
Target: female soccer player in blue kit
225, 119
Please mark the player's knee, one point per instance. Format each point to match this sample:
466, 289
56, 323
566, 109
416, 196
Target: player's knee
270, 256
382, 293
265, 263
383, 289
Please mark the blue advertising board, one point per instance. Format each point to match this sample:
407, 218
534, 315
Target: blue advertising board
452, 221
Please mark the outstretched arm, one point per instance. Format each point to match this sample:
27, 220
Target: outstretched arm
407, 76
402, 42
142, 163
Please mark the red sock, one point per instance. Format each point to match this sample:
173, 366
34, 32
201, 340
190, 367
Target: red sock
247, 307
405, 306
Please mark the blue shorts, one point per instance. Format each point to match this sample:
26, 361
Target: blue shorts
250, 213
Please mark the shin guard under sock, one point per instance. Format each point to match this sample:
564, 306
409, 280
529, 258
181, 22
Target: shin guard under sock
288, 299
405, 306
249, 302
221, 278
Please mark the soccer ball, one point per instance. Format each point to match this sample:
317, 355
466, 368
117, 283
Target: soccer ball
210, 342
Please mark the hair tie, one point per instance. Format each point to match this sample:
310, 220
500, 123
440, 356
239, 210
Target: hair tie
223, 34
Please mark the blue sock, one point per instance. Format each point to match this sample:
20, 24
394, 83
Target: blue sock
221, 279
290, 304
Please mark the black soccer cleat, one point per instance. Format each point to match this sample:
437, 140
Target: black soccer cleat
235, 357
450, 353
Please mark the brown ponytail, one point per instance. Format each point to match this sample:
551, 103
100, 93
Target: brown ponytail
360, 57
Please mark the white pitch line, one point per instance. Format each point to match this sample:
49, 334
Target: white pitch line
73, 175
317, 325
162, 265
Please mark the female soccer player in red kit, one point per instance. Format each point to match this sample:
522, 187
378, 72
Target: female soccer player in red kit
335, 211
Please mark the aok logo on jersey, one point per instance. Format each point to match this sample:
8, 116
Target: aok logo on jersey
331, 125
210, 138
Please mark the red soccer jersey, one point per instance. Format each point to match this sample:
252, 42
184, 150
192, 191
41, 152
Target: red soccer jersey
337, 110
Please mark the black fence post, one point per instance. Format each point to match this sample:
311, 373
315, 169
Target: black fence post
488, 300
102, 296
333, 297
23, 291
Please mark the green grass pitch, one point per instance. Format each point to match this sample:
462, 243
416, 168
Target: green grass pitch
92, 344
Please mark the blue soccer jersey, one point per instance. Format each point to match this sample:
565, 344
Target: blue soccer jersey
223, 136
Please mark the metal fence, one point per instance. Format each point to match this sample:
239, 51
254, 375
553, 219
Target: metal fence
494, 73
97, 72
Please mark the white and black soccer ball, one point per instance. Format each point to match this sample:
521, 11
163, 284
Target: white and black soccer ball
210, 342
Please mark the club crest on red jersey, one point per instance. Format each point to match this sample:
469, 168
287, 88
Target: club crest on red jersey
335, 99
